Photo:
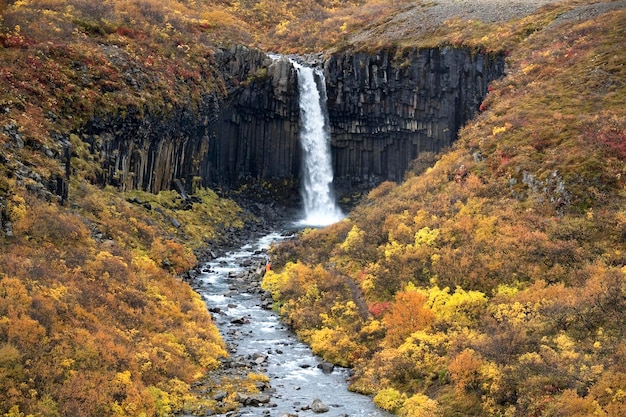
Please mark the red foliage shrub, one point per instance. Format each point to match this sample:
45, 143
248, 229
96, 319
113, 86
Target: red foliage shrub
379, 309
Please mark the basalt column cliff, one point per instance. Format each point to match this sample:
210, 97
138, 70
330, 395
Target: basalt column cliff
384, 109
245, 129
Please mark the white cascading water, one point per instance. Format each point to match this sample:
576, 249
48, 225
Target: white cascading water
320, 207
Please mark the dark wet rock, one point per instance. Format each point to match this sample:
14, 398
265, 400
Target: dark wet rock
326, 367
240, 320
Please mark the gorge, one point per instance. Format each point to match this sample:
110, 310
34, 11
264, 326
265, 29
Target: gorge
384, 109
151, 153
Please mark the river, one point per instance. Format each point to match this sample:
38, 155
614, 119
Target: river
256, 335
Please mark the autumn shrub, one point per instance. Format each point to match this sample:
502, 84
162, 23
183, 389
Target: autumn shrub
335, 345
419, 405
389, 399
464, 370
381, 190
95, 317
407, 315
172, 255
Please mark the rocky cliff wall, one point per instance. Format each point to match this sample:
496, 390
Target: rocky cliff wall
246, 129
384, 109
255, 136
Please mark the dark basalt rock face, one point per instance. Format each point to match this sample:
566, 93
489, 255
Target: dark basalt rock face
256, 132
384, 109
247, 131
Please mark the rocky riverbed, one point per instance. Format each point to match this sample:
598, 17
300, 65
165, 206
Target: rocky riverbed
287, 379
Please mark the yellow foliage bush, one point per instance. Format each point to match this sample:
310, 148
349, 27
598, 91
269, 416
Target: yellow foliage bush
274, 282
353, 244
459, 309
16, 208
389, 399
426, 236
420, 405
336, 345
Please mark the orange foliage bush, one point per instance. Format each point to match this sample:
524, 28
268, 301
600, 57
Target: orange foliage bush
464, 370
407, 314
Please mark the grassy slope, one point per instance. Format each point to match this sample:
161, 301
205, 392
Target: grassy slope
495, 279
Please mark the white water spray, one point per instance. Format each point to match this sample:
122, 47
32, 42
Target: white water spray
320, 207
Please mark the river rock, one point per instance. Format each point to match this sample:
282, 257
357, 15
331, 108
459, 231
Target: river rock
317, 406
253, 399
240, 320
219, 395
247, 263
326, 367
260, 398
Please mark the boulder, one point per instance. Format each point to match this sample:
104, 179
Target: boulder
317, 406
326, 367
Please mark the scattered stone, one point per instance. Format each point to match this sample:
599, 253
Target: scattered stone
326, 367
259, 358
175, 223
317, 406
219, 395
242, 398
257, 399
253, 399
240, 320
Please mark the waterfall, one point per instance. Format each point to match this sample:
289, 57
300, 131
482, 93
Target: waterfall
320, 207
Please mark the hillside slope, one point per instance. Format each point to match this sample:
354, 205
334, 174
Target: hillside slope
94, 316
525, 216
492, 280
